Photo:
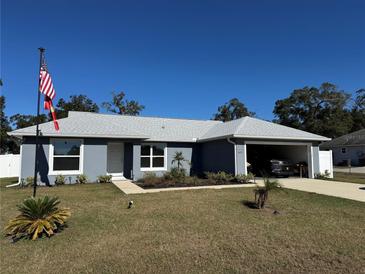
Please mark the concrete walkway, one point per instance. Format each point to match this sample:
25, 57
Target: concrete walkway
331, 188
130, 188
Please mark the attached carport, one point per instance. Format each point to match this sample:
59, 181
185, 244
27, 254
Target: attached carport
247, 135
259, 155
246, 150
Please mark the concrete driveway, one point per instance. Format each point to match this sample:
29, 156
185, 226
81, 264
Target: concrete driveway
338, 189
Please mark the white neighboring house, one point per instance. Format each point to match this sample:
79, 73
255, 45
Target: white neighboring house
348, 148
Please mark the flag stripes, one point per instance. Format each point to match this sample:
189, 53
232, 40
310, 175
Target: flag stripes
46, 85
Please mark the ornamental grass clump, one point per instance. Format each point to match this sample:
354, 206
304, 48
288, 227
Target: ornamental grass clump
81, 179
219, 177
60, 180
105, 179
245, 179
38, 217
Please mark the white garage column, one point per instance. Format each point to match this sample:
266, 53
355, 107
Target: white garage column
241, 159
313, 160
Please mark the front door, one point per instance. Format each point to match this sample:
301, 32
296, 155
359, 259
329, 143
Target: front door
115, 160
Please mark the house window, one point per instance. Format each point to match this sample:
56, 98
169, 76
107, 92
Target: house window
343, 150
66, 156
153, 157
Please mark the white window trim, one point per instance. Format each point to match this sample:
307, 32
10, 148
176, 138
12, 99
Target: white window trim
65, 172
164, 168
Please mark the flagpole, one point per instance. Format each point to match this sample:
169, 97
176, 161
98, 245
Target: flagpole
36, 163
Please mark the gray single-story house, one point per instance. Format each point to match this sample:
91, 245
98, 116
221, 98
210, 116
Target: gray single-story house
128, 146
348, 148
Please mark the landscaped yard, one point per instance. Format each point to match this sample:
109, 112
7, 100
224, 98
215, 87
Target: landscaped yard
190, 231
358, 178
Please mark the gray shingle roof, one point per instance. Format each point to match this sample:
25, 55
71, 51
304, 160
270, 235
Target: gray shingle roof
87, 124
94, 125
356, 138
248, 127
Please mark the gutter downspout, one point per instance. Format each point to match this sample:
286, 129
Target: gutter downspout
16, 184
235, 154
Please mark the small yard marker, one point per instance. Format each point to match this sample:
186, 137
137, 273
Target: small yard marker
130, 204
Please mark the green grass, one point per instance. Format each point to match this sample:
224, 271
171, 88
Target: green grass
208, 231
358, 178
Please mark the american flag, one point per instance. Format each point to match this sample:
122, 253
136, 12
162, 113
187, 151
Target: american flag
46, 87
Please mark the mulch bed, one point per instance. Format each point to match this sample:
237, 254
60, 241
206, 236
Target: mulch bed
187, 183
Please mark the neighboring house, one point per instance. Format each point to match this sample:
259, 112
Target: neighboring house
128, 146
350, 147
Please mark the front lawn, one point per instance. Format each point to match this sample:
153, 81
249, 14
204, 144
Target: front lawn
357, 178
210, 231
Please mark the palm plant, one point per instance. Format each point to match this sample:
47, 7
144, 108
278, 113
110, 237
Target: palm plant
179, 159
262, 193
37, 217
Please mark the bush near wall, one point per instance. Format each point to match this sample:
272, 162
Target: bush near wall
176, 178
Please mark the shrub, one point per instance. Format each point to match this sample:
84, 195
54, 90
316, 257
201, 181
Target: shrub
175, 174
322, 176
244, 179
192, 180
60, 180
150, 179
81, 179
37, 217
27, 182
103, 179
220, 176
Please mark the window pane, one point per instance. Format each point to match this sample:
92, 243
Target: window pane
66, 163
145, 161
158, 150
145, 150
158, 162
67, 147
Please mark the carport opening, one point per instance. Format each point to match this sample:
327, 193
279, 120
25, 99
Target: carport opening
278, 160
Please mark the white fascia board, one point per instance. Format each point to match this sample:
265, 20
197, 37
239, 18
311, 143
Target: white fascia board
285, 138
80, 135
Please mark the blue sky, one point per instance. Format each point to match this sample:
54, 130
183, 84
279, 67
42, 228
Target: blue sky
181, 58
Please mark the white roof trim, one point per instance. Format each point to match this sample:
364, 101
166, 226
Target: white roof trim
79, 135
279, 137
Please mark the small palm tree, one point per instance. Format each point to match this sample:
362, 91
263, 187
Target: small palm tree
262, 193
37, 216
179, 159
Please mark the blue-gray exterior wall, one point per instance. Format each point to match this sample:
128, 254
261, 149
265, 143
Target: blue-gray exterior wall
213, 156
28, 159
189, 151
217, 156
94, 160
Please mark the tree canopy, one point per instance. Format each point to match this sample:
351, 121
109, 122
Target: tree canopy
233, 109
123, 106
75, 103
320, 110
7, 143
358, 111
22, 120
